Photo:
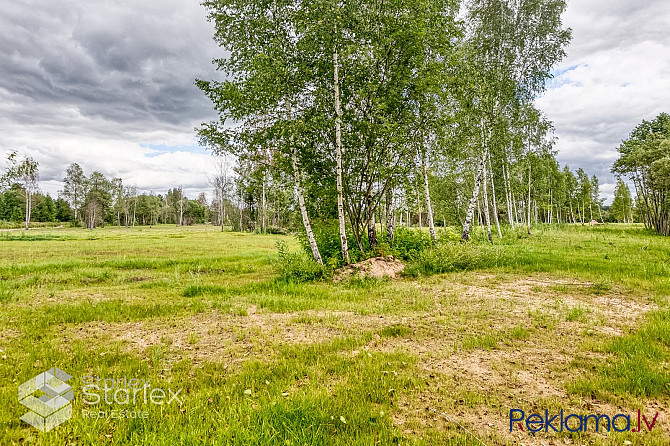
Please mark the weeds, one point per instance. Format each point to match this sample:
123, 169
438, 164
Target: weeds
296, 266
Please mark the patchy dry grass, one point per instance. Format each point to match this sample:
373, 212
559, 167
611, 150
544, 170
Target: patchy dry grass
574, 319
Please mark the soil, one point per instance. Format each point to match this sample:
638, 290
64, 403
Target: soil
376, 267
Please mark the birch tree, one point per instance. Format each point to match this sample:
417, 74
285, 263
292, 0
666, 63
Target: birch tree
74, 186
513, 45
25, 172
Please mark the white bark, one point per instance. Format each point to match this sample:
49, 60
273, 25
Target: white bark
465, 235
426, 190
301, 198
487, 216
510, 216
493, 192
338, 155
29, 205
528, 204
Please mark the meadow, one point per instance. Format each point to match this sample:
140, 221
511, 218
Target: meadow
572, 317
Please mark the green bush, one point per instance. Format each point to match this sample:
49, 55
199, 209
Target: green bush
275, 230
297, 267
409, 243
327, 236
450, 257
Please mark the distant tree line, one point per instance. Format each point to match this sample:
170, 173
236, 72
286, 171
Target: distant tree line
250, 197
94, 200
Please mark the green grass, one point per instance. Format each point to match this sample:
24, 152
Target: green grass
264, 359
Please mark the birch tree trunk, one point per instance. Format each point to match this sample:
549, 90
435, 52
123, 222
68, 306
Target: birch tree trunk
29, 205
514, 205
338, 155
528, 205
372, 224
390, 230
600, 211
418, 208
465, 235
426, 190
223, 216
263, 206
493, 192
510, 216
301, 197
487, 215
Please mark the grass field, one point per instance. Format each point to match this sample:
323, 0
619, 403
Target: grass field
572, 318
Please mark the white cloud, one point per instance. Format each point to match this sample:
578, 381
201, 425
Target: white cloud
100, 83
617, 73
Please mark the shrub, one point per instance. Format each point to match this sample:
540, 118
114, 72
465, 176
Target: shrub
297, 267
275, 230
327, 236
450, 257
409, 243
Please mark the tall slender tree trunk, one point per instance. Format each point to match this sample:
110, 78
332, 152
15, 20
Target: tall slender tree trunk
418, 208
29, 205
301, 196
263, 206
600, 211
390, 216
372, 224
528, 205
465, 235
508, 200
487, 215
242, 202
493, 193
222, 211
338, 155
515, 207
426, 191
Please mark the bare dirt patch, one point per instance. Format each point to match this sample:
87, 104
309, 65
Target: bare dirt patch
376, 267
216, 337
478, 386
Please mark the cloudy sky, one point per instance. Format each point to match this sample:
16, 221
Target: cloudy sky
109, 84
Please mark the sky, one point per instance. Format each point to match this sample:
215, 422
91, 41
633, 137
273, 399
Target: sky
109, 84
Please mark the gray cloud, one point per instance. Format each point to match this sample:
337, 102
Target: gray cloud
101, 82
121, 61
617, 73
111, 77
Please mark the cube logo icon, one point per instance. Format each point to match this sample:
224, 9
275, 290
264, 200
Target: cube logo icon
48, 397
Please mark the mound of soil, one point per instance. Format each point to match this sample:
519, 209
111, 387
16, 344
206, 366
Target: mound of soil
374, 267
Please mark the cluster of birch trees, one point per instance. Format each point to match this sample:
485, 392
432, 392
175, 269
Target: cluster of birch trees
364, 104
97, 200
645, 159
